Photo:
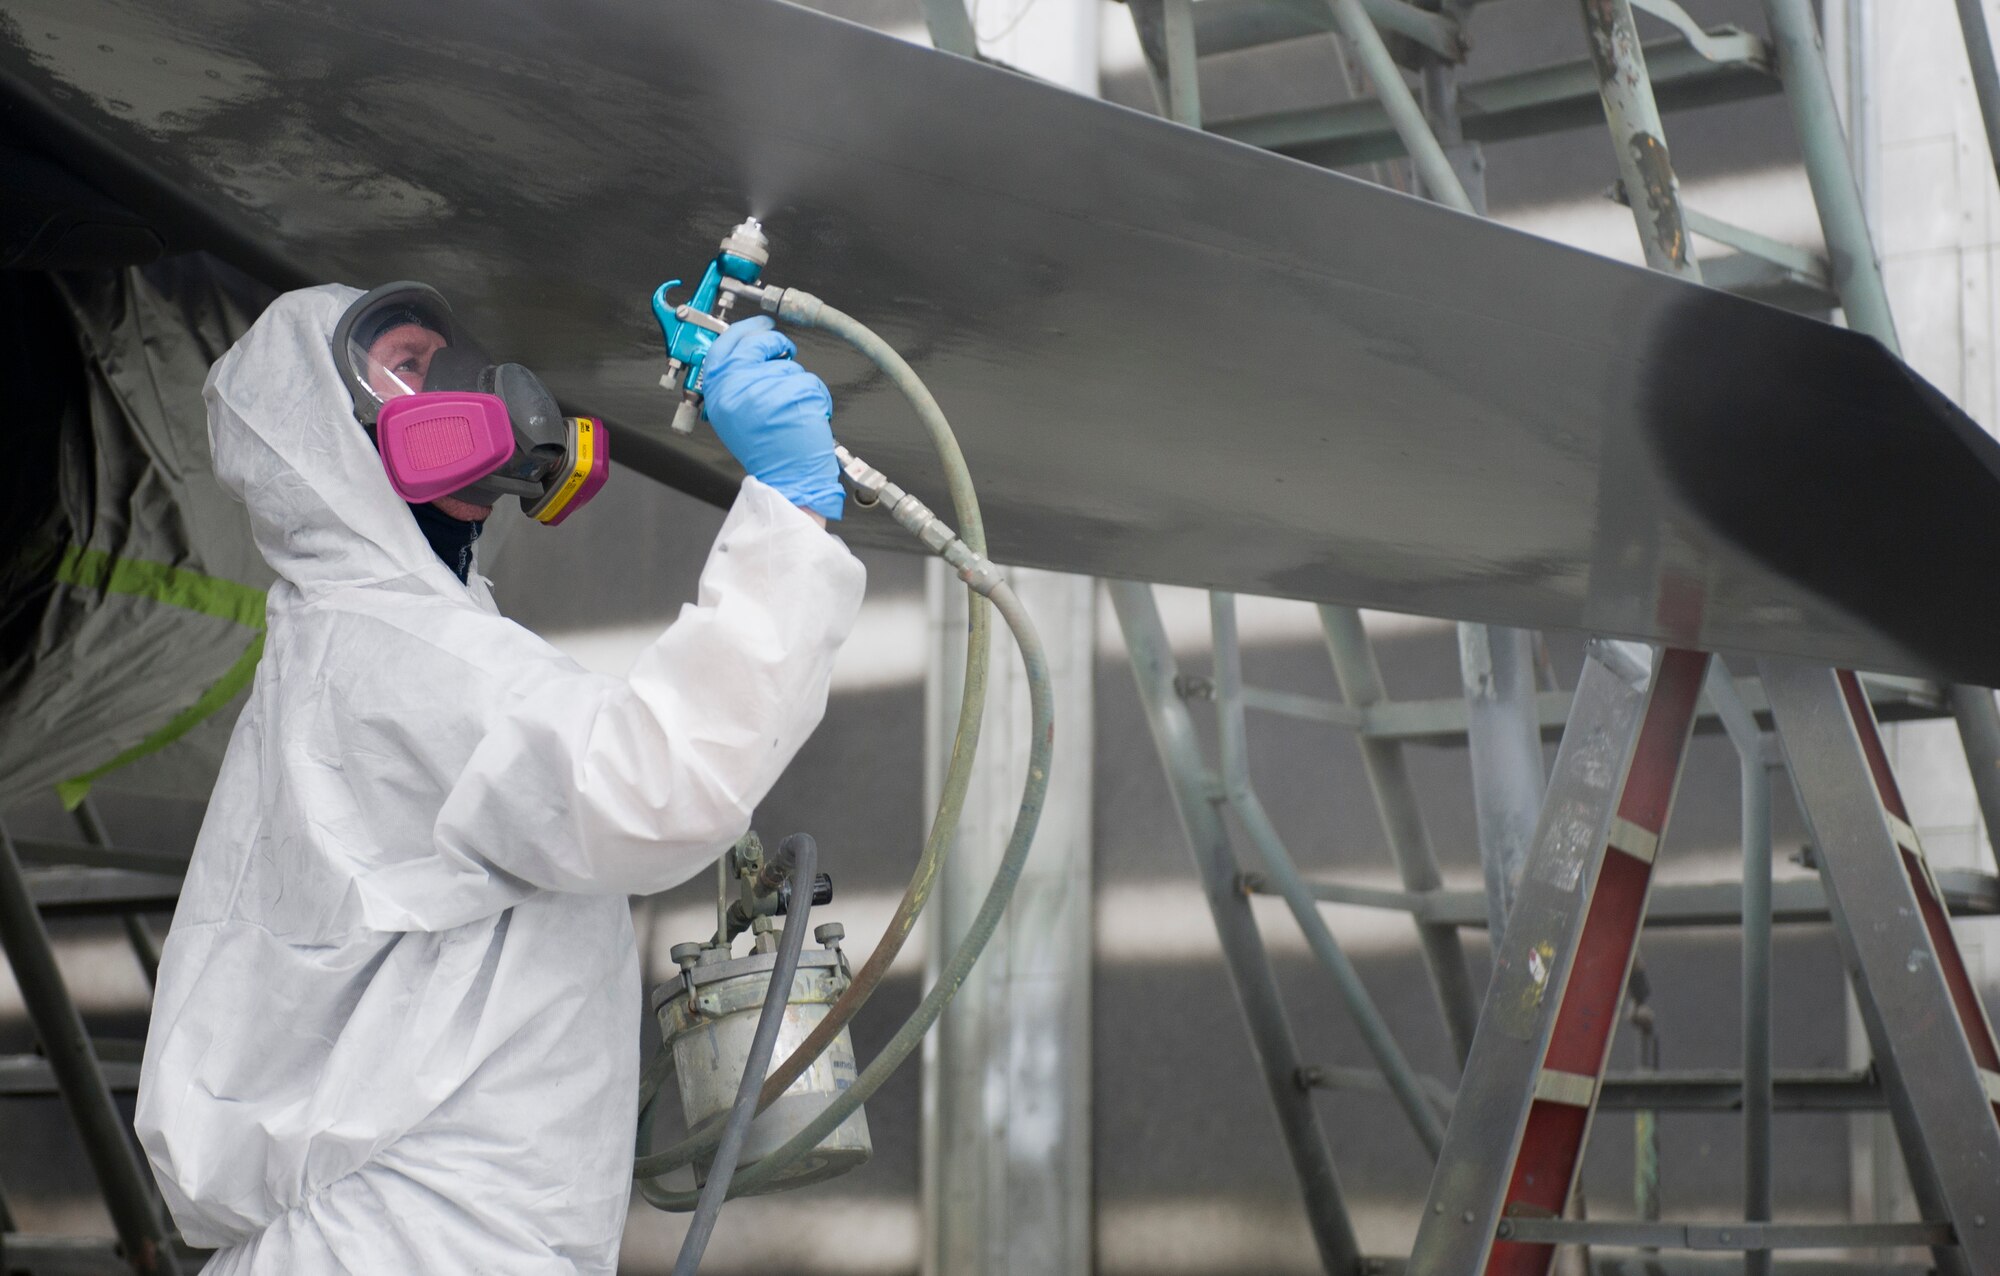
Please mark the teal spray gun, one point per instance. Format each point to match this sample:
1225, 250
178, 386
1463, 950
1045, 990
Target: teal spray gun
692, 326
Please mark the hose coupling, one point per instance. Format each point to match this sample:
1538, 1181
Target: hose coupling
976, 570
872, 487
795, 305
869, 482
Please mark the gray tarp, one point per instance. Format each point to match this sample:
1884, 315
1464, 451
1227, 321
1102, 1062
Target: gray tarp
133, 604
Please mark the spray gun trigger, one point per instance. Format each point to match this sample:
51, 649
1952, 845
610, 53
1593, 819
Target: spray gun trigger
700, 319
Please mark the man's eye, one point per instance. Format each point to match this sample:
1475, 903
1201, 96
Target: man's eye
407, 365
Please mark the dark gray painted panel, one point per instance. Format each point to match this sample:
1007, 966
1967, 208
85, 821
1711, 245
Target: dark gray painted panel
1169, 356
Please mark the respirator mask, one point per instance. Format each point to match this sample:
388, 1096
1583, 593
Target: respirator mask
449, 421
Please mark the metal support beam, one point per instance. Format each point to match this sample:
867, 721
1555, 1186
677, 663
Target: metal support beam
1434, 169
1166, 37
1497, 667
1857, 276
1006, 1086
1790, 258
951, 27
1985, 78
128, 1190
1395, 795
1979, 733
1224, 26
1381, 1043
1754, 774
1645, 169
1939, 1061
1496, 663
145, 948
1242, 947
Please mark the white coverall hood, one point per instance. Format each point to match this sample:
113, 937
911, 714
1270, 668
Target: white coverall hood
287, 445
396, 1022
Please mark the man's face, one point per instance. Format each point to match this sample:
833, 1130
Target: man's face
400, 359
398, 362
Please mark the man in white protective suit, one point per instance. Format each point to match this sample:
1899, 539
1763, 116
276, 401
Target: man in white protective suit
397, 1020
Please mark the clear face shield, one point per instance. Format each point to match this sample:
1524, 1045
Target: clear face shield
448, 421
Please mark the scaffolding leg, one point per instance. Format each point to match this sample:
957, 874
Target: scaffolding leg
1932, 1041
1196, 794
145, 948
1523, 1110
1754, 772
127, 1187
1504, 745
1360, 680
1166, 38
1979, 731
1403, 1080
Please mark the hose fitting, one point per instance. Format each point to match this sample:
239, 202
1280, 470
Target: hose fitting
873, 487
795, 305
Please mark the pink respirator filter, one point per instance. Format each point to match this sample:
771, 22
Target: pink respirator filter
439, 441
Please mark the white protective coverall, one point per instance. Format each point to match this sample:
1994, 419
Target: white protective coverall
397, 1022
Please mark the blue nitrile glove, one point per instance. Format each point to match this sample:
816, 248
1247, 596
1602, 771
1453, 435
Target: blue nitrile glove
773, 416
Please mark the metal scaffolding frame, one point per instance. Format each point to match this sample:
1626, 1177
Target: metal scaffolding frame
41, 879
1519, 1122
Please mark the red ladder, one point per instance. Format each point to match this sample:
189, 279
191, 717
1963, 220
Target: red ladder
1523, 1113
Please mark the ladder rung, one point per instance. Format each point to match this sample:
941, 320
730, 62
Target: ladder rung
1904, 835
1967, 893
1571, 1088
1640, 843
29, 1076
1812, 1090
1442, 721
1727, 1237
101, 890
1992, 1080
1224, 26
35, 851
80, 1255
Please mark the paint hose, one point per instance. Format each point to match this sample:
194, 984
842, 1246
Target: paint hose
806, 311
801, 854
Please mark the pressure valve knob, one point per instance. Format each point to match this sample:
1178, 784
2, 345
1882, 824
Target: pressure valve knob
830, 934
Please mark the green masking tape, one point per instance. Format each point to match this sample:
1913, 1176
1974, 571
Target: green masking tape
175, 587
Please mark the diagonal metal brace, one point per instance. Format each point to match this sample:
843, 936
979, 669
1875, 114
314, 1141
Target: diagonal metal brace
1936, 1051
